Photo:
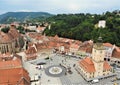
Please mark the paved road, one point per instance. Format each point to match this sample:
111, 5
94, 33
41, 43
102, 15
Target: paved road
73, 78
65, 80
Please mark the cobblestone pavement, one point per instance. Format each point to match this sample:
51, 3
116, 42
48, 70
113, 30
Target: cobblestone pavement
71, 78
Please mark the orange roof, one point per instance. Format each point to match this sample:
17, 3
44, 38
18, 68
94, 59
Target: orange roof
52, 44
116, 53
106, 66
31, 50
5, 38
87, 64
108, 44
89, 49
14, 33
15, 63
117, 49
76, 46
13, 76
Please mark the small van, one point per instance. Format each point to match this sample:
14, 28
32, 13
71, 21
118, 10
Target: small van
95, 81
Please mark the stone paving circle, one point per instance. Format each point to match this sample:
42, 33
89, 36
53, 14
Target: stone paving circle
55, 71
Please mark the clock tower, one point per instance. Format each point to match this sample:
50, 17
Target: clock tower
98, 53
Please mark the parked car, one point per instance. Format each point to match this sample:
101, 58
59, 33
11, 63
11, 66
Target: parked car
95, 81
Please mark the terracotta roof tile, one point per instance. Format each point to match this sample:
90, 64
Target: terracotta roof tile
31, 50
116, 53
117, 49
5, 38
15, 63
76, 46
13, 76
14, 33
106, 66
87, 64
108, 44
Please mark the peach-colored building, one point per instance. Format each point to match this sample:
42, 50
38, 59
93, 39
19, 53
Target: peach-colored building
95, 66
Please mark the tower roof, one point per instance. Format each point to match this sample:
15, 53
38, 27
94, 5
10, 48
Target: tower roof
100, 39
99, 44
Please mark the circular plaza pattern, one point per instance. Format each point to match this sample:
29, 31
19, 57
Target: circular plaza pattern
55, 71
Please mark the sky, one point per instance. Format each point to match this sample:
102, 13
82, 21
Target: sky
59, 6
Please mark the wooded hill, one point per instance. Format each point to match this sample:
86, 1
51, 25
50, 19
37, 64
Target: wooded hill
10, 17
84, 26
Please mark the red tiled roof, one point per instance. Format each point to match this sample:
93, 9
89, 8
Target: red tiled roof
13, 76
86, 47
87, 65
31, 53
89, 49
52, 44
106, 66
31, 50
15, 63
116, 53
117, 49
5, 38
14, 33
108, 44
76, 46
56, 37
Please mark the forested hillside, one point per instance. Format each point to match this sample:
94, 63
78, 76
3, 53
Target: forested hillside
84, 26
23, 16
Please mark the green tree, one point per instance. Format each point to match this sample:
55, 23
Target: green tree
21, 29
5, 30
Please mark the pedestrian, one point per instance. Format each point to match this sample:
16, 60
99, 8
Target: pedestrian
74, 65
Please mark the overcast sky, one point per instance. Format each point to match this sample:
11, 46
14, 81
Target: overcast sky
59, 6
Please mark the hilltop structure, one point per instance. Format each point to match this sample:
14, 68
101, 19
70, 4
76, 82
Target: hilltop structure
102, 24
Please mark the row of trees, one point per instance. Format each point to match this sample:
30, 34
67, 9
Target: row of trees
83, 26
20, 28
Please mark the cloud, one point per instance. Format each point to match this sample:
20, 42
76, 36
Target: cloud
23, 10
60, 6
